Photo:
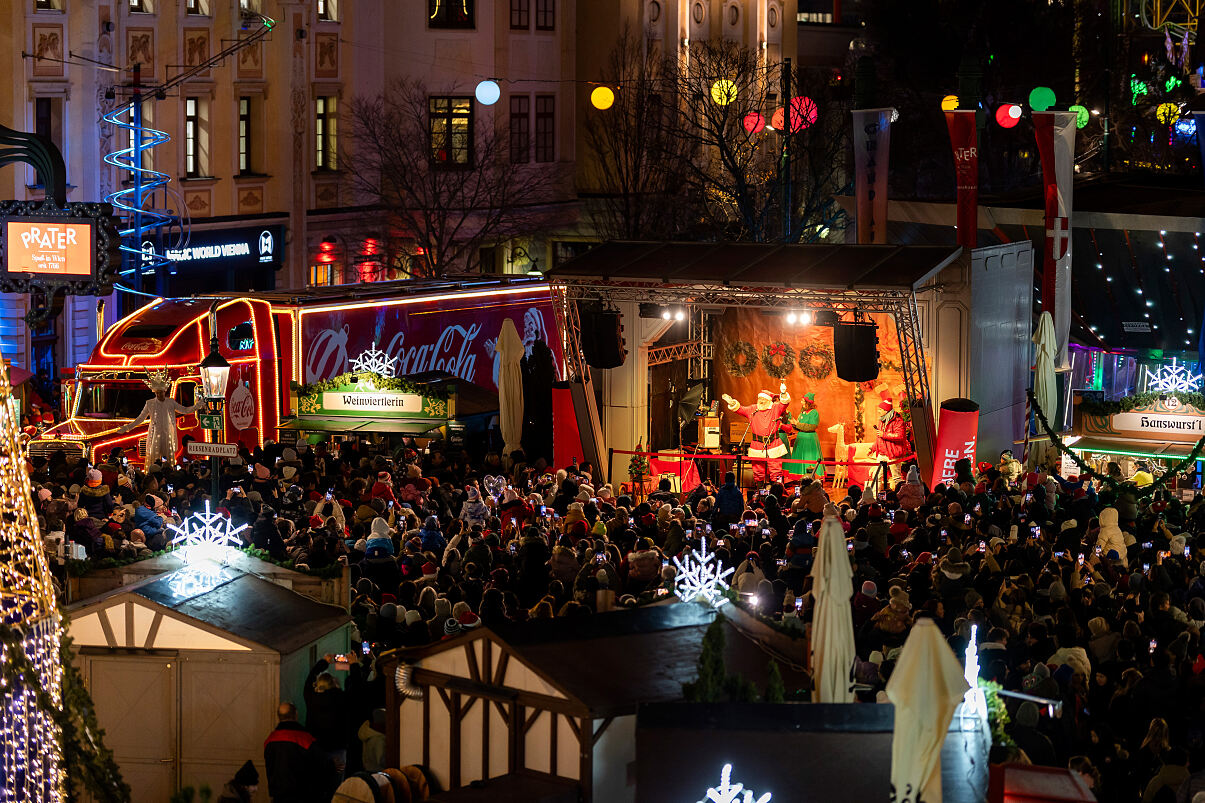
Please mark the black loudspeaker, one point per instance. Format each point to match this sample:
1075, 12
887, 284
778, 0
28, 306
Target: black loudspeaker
856, 351
602, 340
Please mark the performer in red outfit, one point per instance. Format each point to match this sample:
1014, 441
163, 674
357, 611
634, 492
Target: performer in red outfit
765, 447
892, 440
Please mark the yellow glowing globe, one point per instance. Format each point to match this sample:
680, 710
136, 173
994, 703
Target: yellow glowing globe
1167, 113
723, 92
603, 97
949, 103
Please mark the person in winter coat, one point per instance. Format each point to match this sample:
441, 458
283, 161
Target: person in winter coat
1111, 538
147, 520
473, 510
95, 497
326, 714
729, 502
242, 787
372, 739
298, 770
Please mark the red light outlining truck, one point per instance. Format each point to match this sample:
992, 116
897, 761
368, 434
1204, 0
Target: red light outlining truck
273, 346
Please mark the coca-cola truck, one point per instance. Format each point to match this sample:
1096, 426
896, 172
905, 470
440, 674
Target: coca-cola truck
275, 346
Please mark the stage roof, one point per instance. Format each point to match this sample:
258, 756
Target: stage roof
804, 267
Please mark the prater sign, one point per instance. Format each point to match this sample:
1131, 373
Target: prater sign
48, 247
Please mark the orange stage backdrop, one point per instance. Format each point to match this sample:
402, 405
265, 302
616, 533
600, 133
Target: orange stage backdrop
740, 333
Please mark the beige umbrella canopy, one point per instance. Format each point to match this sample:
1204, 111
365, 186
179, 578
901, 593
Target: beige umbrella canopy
1046, 349
510, 386
833, 648
926, 688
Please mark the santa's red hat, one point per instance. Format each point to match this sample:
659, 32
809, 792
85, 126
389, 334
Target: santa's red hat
765, 393
885, 405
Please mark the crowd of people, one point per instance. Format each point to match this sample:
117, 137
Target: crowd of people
1090, 596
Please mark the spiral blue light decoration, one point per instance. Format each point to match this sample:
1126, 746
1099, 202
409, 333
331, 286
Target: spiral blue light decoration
141, 219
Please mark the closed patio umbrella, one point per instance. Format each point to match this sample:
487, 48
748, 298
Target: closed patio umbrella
926, 688
510, 386
832, 622
1046, 349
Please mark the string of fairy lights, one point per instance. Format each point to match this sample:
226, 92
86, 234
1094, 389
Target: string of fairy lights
32, 755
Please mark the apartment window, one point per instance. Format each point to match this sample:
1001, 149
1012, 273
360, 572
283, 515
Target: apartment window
520, 14
545, 128
545, 15
326, 9
192, 134
451, 13
48, 119
322, 275
326, 132
46, 5
196, 7
138, 6
244, 135
520, 129
451, 129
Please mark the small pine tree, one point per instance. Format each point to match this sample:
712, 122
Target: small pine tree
709, 687
776, 690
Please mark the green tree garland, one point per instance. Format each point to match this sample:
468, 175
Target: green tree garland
399, 384
1088, 407
88, 765
1111, 483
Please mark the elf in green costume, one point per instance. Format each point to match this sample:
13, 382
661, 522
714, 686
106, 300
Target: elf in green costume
807, 442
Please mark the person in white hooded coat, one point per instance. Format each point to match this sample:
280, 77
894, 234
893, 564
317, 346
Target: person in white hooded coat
1111, 537
473, 510
161, 413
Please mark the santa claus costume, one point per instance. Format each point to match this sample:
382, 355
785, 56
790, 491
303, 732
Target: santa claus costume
892, 440
765, 447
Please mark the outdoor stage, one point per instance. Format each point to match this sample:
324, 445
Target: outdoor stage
736, 299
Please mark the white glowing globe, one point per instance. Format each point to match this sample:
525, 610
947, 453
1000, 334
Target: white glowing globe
488, 92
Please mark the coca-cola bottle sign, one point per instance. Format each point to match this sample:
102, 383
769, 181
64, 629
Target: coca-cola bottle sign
242, 408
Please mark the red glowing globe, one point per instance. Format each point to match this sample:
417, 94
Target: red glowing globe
803, 115
754, 122
1008, 115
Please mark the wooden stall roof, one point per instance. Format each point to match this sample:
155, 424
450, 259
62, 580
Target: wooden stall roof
608, 663
230, 601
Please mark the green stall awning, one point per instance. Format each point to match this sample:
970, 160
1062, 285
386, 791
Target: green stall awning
399, 426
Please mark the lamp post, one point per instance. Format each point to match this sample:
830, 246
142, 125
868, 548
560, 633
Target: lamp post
215, 373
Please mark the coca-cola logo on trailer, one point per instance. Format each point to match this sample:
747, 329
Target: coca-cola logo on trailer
458, 341
242, 408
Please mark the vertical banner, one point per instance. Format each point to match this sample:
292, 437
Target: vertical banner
872, 152
963, 142
1055, 132
957, 433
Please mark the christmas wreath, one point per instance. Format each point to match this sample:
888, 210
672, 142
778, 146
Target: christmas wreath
815, 361
740, 358
778, 359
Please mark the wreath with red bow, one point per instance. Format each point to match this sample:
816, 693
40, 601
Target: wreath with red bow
778, 359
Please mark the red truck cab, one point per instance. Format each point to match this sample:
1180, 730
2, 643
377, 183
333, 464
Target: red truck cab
109, 390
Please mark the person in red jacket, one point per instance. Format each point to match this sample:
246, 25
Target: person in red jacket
298, 770
765, 416
891, 443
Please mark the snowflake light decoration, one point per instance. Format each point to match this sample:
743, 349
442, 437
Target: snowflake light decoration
374, 361
205, 535
728, 792
196, 579
974, 701
701, 577
1174, 378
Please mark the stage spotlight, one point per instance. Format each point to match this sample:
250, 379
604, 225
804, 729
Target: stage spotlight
805, 318
679, 314
791, 318
665, 314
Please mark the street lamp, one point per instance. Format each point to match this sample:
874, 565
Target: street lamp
215, 373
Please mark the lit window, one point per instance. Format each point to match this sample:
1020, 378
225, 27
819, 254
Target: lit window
520, 14
322, 275
545, 15
545, 128
192, 7
138, 6
46, 5
325, 12
450, 13
192, 130
326, 132
520, 129
244, 135
451, 130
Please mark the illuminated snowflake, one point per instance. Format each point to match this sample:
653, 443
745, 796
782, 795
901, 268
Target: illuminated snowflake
206, 536
1174, 378
373, 361
728, 792
196, 579
701, 577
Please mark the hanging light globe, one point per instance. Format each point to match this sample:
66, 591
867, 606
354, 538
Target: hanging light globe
488, 92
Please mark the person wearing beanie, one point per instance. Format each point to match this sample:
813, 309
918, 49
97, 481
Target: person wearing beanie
473, 511
242, 788
451, 628
1024, 730
1112, 539
866, 604
894, 620
94, 497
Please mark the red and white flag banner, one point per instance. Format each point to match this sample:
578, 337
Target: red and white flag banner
1055, 132
963, 141
872, 152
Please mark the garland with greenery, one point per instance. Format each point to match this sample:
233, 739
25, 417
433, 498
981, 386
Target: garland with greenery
1110, 482
740, 358
88, 766
815, 360
399, 384
778, 359
997, 713
1124, 405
